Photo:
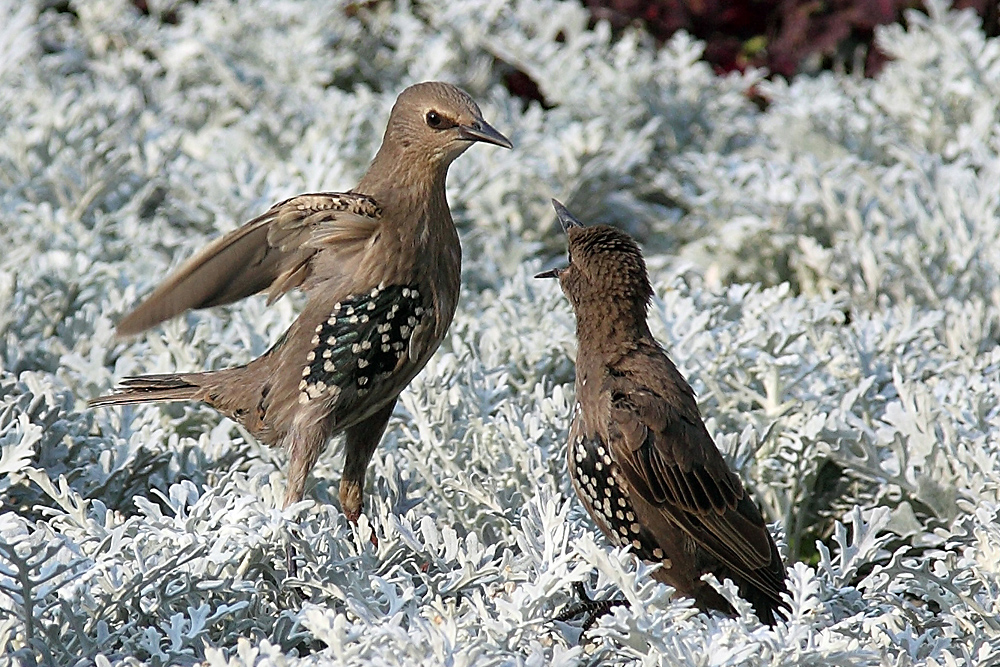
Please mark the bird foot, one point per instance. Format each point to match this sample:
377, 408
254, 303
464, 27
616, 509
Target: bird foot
351, 513
593, 609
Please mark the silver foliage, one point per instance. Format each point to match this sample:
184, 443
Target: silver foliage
826, 275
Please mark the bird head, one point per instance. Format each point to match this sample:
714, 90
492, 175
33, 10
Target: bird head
438, 122
606, 275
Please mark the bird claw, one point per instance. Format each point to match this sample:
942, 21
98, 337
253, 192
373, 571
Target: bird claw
593, 609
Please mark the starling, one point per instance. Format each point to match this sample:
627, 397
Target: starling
640, 457
380, 266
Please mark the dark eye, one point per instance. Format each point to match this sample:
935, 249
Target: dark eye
435, 120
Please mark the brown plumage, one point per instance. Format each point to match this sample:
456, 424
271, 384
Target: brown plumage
640, 457
380, 266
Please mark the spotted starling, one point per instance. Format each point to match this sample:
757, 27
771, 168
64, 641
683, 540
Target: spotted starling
640, 457
380, 266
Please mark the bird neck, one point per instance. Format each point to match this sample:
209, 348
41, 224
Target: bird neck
611, 331
603, 344
417, 240
410, 181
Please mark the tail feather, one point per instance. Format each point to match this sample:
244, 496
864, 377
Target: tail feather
150, 388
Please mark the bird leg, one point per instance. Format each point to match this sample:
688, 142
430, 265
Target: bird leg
593, 609
304, 443
359, 445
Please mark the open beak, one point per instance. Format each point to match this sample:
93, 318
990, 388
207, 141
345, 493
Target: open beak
567, 221
483, 131
551, 273
566, 218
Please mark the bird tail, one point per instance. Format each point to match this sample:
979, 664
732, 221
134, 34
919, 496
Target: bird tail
763, 604
150, 388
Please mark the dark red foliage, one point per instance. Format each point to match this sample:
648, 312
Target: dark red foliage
785, 36
521, 85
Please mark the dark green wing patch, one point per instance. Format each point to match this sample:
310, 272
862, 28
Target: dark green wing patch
363, 341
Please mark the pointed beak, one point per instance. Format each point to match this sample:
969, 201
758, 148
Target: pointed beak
566, 218
551, 273
480, 130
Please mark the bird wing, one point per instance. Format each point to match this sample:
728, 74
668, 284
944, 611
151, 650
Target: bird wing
272, 252
668, 457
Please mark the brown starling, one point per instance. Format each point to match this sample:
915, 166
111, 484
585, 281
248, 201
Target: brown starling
380, 266
640, 457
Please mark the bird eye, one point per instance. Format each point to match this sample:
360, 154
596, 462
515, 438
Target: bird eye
434, 120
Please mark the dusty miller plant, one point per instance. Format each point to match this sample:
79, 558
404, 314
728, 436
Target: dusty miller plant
825, 275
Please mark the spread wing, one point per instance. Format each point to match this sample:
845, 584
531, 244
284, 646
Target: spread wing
665, 452
272, 252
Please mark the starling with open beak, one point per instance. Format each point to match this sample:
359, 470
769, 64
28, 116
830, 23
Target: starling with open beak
640, 457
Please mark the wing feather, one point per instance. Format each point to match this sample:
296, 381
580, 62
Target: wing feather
677, 468
272, 252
